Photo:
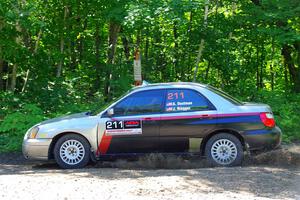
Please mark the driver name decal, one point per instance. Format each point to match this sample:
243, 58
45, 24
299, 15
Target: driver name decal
126, 127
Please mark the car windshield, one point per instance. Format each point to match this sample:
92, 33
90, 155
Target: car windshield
101, 108
225, 95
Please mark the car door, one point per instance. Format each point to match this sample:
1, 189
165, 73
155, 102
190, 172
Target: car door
134, 126
187, 117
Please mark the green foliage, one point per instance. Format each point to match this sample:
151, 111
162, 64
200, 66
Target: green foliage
28, 115
286, 109
14, 126
18, 114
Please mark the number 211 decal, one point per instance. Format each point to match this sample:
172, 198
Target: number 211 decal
175, 95
126, 127
114, 124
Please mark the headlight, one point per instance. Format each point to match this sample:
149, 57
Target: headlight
33, 132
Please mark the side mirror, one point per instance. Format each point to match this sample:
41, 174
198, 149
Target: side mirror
110, 112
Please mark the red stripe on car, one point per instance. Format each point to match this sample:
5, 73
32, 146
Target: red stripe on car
104, 144
192, 116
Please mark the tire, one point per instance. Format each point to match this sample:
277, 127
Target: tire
72, 151
224, 150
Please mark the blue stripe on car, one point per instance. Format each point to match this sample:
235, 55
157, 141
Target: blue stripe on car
256, 132
226, 120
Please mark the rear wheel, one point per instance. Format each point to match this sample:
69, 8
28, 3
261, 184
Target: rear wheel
72, 151
224, 149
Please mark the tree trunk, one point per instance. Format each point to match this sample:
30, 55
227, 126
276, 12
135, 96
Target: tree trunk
189, 53
62, 44
200, 50
207, 72
1, 58
257, 67
13, 81
147, 46
176, 55
286, 79
114, 29
74, 27
201, 45
125, 46
36, 46
1, 69
112, 41
61, 60
97, 57
81, 44
286, 51
227, 50
262, 58
272, 65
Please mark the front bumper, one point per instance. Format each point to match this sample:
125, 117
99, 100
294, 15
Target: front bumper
36, 149
264, 140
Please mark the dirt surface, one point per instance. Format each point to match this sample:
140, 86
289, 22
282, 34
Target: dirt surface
273, 175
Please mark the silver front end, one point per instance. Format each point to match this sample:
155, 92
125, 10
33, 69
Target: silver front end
36, 149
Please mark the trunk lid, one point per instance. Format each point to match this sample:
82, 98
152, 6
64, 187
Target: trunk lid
256, 107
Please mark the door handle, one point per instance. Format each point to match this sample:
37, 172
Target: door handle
206, 115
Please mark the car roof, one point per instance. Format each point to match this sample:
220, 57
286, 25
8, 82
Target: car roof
168, 85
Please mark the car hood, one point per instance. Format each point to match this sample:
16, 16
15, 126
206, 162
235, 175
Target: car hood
67, 117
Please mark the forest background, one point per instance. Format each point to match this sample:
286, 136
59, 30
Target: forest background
65, 56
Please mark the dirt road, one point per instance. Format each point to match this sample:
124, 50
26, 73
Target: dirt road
274, 175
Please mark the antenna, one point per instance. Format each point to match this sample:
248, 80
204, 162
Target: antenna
145, 83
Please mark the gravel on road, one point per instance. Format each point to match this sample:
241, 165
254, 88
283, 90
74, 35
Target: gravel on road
273, 175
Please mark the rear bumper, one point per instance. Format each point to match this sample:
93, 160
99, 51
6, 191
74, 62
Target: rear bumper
263, 140
36, 149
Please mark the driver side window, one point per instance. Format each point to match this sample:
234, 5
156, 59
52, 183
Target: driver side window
145, 102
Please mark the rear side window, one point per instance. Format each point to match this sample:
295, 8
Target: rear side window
145, 102
225, 96
184, 100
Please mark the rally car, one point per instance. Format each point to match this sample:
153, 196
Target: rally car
177, 118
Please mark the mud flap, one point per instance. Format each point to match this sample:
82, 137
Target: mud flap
93, 156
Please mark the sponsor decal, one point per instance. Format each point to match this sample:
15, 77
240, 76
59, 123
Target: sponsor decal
132, 124
125, 127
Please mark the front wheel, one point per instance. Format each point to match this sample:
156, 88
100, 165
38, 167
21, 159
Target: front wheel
224, 149
72, 151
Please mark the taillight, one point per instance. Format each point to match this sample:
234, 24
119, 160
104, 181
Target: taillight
267, 119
